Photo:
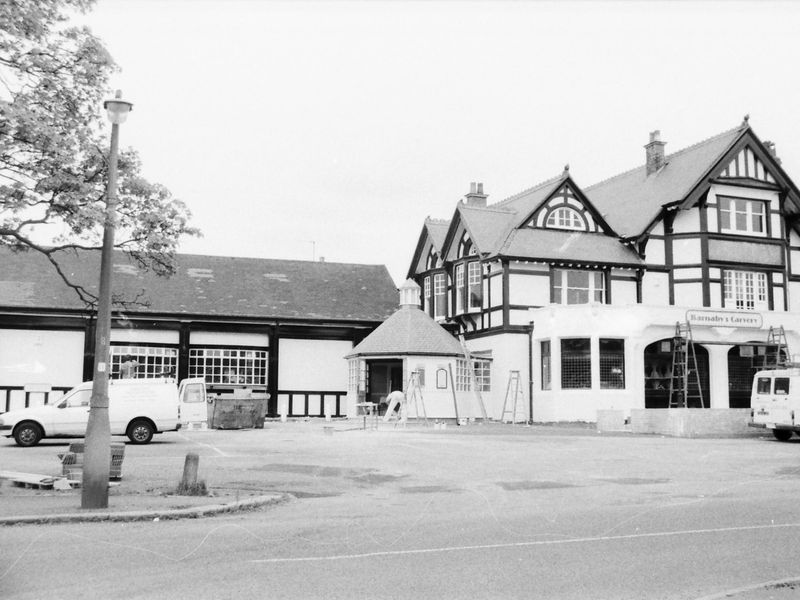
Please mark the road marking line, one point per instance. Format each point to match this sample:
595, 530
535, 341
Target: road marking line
606, 538
214, 448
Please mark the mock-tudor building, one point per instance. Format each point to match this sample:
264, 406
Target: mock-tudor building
276, 329
579, 289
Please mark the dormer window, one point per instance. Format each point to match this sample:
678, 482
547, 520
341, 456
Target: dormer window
565, 217
466, 247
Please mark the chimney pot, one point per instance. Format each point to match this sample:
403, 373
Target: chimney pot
476, 197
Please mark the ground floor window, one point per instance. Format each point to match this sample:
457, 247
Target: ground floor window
612, 363
546, 372
483, 375
145, 362
576, 363
229, 365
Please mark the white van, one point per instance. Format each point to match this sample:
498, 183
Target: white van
775, 402
137, 408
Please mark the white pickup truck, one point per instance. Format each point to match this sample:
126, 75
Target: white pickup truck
775, 402
138, 408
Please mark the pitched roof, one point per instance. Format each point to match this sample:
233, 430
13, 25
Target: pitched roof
488, 227
437, 229
409, 331
208, 285
569, 246
632, 200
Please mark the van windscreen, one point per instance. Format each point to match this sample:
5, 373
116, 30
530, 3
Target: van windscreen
763, 385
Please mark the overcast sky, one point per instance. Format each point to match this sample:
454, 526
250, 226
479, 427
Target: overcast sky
307, 129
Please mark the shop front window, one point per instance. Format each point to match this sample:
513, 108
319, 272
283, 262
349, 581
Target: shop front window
143, 362
612, 364
576, 363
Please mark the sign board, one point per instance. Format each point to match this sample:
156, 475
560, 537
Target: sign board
724, 318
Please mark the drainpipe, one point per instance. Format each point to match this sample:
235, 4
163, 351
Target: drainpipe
530, 373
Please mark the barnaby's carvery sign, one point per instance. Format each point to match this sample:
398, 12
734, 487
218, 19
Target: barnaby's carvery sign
723, 318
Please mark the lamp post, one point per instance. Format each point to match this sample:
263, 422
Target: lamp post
97, 453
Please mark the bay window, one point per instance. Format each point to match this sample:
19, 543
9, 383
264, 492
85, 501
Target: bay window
439, 295
460, 291
475, 285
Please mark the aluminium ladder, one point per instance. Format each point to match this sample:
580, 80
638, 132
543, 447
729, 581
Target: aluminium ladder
513, 393
684, 382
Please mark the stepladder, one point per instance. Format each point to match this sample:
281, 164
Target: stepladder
410, 404
513, 401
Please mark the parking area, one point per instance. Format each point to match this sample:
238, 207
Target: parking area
309, 459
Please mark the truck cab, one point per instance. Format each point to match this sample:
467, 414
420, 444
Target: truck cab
775, 402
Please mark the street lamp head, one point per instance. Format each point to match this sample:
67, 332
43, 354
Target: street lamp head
117, 109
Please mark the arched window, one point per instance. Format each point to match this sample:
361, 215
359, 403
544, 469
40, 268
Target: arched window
466, 247
565, 217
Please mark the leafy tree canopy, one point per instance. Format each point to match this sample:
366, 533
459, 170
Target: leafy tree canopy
54, 146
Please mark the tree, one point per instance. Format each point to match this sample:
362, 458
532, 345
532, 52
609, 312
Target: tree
54, 147
53, 172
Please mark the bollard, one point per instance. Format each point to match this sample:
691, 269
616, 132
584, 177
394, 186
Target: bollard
189, 480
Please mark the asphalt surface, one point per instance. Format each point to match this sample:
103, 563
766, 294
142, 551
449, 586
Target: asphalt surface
478, 511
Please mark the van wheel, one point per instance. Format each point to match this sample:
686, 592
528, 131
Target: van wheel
781, 434
140, 432
27, 434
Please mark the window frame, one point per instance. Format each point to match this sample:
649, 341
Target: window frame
735, 289
211, 363
560, 285
581, 373
153, 360
607, 360
439, 295
460, 290
735, 206
546, 371
426, 295
474, 285
556, 219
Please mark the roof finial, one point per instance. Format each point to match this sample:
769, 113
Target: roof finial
745, 121
566, 169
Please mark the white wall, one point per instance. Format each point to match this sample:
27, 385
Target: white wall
216, 338
509, 352
41, 356
529, 290
150, 336
312, 364
688, 294
686, 221
655, 288
686, 251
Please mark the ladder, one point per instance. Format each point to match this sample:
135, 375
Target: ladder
414, 397
777, 351
513, 393
684, 382
473, 377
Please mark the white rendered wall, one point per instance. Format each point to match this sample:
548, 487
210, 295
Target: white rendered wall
41, 356
313, 364
529, 290
688, 294
217, 338
509, 352
150, 336
655, 288
686, 251
623, 292
686, 221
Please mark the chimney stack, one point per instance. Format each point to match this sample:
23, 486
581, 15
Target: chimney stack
476, 197
770, 146
655, 152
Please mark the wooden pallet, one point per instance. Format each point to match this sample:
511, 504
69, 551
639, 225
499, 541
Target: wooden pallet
28, 480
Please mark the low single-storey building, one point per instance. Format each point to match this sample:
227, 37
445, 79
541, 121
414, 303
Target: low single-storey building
276, 329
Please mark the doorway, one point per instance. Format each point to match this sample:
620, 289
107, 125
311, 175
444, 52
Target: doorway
383, 377
658, 372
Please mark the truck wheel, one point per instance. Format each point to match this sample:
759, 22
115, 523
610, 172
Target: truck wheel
781, 434
140, 432
27, 434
